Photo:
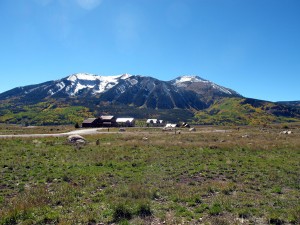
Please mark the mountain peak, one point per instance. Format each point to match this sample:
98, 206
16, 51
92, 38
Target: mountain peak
201, 86
99, 84
189, 78
89, 76
125, 76
82, 76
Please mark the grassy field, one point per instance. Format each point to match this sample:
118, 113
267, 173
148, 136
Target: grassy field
216, 175
6, 129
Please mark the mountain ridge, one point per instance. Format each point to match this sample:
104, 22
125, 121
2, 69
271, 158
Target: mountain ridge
181, 92
184, 98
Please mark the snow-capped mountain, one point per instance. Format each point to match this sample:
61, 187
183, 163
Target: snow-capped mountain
201, 86
140, 91
185, 98
98, 84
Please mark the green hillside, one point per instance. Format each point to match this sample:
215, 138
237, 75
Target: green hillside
224, 111
44, 113
52, 112
241, 111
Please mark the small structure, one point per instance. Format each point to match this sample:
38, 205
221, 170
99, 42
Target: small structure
125, 122
154, 123
171, 125
286, 132
91, 122
185, 125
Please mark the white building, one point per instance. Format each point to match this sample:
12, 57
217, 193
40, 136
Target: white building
126, 122
171, 125
155, 122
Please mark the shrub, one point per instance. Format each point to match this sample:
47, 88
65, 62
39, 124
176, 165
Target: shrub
201, 208
51, 218
124, 222
216, 209
277, 190
244, 213
122, 212
144, 210
276, 221
155, 194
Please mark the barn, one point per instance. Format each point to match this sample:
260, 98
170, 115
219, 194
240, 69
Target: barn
91, 122
108, 121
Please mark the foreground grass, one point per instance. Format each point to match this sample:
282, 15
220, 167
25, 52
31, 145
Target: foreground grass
213, 176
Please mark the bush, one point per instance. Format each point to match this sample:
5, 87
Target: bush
122, 212
124, 222
201, 208
277, 190
144, 210
216, 209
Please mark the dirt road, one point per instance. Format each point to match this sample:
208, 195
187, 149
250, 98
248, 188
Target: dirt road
80, 132
89, 131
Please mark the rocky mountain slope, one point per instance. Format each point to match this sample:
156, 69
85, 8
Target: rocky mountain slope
186, 92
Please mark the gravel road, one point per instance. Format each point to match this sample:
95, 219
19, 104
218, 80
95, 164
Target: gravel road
80, 132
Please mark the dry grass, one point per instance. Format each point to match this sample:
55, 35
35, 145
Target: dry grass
6, 129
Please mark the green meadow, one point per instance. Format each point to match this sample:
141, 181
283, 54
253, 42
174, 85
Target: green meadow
216, 175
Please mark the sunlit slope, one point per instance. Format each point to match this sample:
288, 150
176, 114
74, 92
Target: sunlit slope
244, 111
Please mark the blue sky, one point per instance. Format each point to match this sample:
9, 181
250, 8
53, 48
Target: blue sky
251, 46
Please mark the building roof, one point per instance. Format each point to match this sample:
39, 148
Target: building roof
124, 120
106, 117
154, 121
89, 120
171, 125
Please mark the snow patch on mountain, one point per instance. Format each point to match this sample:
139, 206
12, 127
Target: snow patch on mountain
133, 81
82, 76
125, 76
98, 84
122, 89
58, 87
189, 78
222, 89
184, 81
